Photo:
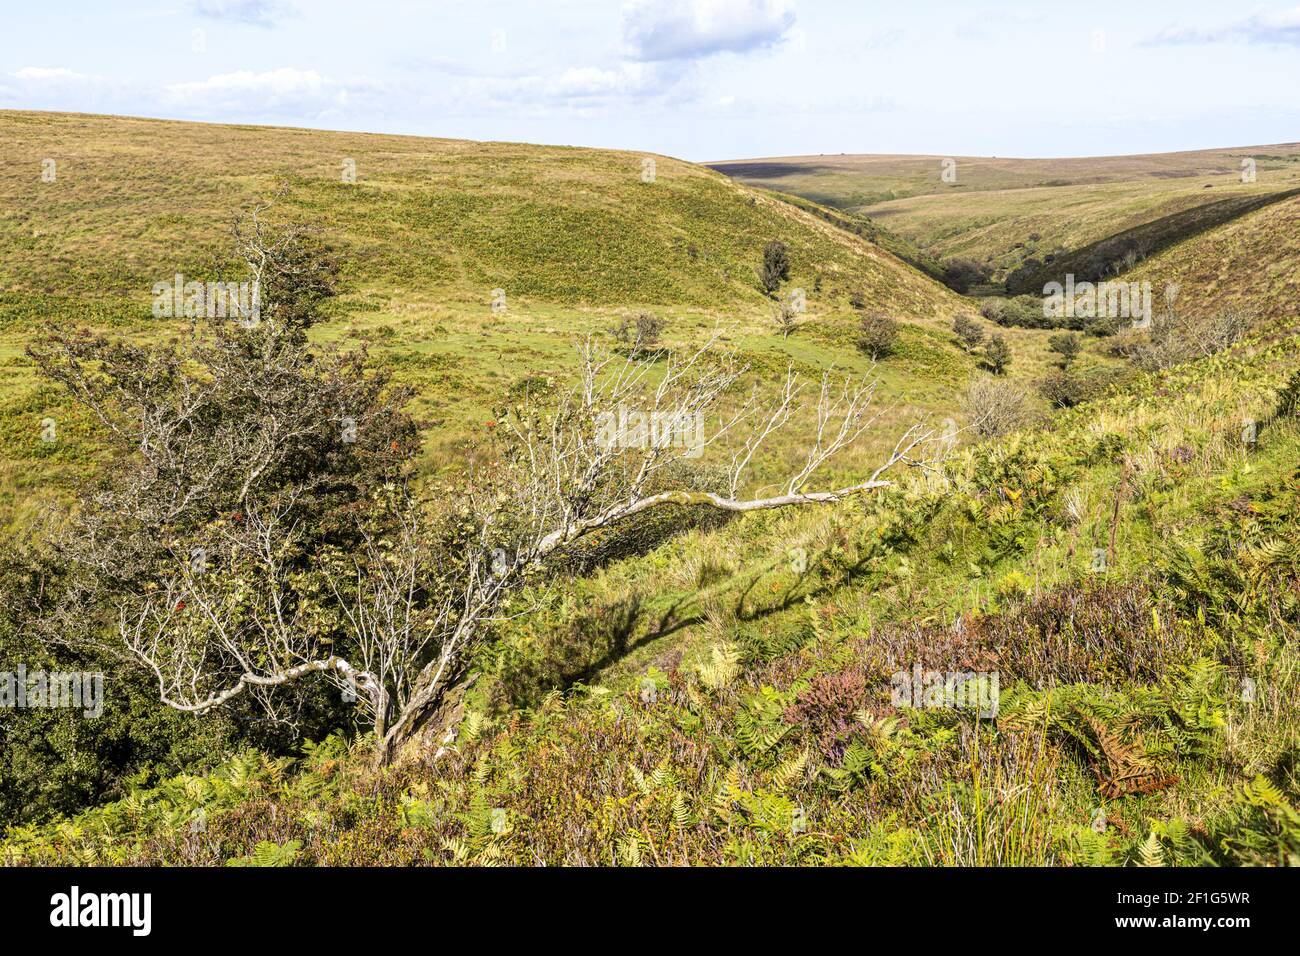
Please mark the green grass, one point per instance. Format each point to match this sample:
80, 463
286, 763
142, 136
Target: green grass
574, 237
1252, 263
1003, 210
1092, 261
724, 692
725, 698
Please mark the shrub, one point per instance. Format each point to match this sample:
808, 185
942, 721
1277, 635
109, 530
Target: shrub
1175, 339
776, 266
640, 333
1067, 345
786, 316
1065, 390
995, 407
54, 761
1027, 312
877, 335
825, 708
1022, 274
969, 332
960, 274
1288, 399
997, 354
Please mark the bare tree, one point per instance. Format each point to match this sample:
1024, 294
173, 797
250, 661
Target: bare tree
591, 463
244, 544
786, 315
1175, 338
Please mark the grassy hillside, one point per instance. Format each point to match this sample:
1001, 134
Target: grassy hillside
1004, 211
877, 234
1099, 260
430, 228
849, 181
555, 224
1125, 568
1252, 263
1148, 710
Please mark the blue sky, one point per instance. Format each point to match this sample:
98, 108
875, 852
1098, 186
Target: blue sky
700, 79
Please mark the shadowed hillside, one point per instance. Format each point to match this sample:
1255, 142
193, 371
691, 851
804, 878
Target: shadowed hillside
1005, 211
1251, 263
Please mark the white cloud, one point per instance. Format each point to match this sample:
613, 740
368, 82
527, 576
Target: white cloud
772, 106
58, 74
628, 79
56, 88
1264, 27
282, 91
589, 90
259, 13
1000, 24
690, 29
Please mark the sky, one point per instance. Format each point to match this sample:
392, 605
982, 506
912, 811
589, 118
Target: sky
698, 79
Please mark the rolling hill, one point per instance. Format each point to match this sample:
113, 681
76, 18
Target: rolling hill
733, 697
1251, 263
1005, 211
1106, 257
748, 691
569, 226
575, 238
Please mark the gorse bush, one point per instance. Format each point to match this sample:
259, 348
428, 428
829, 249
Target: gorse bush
776, 266
969, 332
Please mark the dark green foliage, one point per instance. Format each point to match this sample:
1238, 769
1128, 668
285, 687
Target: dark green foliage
1067, 389
877, 335
960, 274
240, 430
58, 761
1067, 345
1026, 312
969, 332
997, 354
1288, 399
776, 266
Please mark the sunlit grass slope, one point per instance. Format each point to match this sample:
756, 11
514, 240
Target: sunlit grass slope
729, 699
1004, 211
429, 229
